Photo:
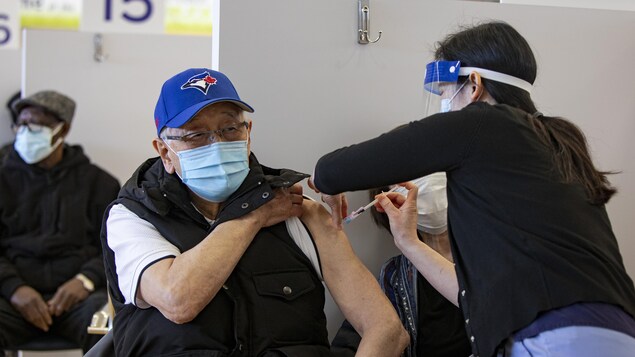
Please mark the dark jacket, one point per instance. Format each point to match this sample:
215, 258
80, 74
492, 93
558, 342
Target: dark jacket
50, 221
272, 301
523, 241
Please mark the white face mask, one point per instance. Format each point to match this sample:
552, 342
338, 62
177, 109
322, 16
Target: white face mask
432, 203
34, 144
446, 104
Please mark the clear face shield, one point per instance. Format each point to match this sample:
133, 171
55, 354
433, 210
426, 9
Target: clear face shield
442, 84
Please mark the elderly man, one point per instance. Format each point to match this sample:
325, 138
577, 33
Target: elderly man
52, 200
210, 253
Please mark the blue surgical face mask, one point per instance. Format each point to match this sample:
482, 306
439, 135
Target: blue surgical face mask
215, 171
33, 142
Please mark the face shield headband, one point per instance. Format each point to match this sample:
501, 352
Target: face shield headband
442, 72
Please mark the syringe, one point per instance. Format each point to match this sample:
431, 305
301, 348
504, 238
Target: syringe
361, 210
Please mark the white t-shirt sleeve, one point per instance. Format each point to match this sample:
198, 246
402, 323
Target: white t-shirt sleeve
303, 239
137, 244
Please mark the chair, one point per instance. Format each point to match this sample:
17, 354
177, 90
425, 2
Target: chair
44, 343
102, 320
104, 348
102, 324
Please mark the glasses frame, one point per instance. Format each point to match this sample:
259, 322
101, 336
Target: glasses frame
218, 133
30, 127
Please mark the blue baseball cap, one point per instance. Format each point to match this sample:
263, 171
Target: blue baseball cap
185, 94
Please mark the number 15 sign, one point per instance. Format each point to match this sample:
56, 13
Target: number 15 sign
193, 17
123, 16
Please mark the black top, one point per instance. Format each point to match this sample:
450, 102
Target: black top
440, 328
523, 241
50, 221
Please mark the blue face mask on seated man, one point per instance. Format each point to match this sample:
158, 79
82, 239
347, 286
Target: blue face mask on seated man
215, 171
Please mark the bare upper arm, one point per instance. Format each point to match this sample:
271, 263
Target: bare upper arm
151, 283
353, 287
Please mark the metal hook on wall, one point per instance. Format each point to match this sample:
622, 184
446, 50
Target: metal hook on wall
364, 22
99, 55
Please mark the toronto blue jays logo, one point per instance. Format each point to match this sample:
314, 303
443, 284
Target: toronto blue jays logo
201, 82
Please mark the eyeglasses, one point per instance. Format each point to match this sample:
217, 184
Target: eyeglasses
31, 127
229, 133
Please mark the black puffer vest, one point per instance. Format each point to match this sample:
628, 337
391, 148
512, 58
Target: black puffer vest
271, 305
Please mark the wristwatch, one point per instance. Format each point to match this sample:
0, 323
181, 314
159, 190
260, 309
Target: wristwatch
88, 284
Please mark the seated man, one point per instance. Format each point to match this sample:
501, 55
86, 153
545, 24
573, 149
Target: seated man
52, 200
206, 255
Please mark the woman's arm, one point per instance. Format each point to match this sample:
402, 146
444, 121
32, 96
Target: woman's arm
436, 143
402, 213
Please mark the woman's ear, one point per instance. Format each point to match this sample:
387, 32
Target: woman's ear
162, 149
476, 87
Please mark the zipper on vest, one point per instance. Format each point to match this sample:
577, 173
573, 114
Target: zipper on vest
238, 344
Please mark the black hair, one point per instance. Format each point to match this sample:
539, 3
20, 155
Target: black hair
380, 219
14, 98
497, 46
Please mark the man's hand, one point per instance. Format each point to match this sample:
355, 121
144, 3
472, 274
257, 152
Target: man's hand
32, 307
66, 296
337, 204
287, 202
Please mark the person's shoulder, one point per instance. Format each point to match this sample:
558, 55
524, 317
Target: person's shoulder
102, 175
81, 160
471, 114
313, 209
98, 178
316, 216
481, 109
495, 111
493, 117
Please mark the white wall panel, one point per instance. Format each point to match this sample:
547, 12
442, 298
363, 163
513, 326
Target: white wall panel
315, 89
114, 120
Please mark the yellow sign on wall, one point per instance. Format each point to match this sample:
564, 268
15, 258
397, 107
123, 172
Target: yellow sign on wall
188, 17
177, 17
51, 14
